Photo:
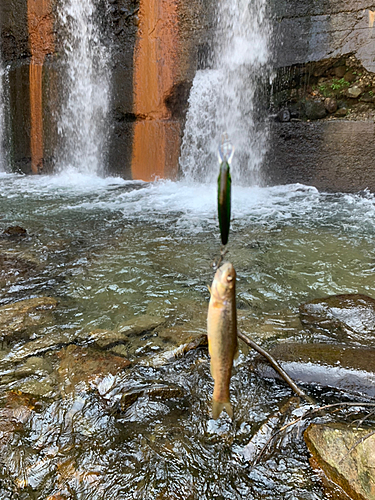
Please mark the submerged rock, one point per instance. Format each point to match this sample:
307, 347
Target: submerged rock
39, 346
341, 316
155, 392
15, 231
179, 352
18, 316
13, 416
108, 338
265, 434
15, 266
347, 457
85, 365
140, 325
339, 367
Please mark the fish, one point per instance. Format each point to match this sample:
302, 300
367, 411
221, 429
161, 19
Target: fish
224, 182
222, 336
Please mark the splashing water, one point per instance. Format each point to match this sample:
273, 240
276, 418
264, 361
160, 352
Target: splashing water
83, 121
224, 98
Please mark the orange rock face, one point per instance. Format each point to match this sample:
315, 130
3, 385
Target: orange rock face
41, 39
156, 137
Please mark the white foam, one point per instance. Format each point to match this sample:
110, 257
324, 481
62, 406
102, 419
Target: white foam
192, 206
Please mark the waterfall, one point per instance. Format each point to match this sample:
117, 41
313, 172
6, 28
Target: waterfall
224, 98
82, 123
2, 119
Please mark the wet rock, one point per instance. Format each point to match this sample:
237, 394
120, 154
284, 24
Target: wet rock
108, 338
15, 231
172, 355
14, 266
315, 110
341, 316
84, 365
283, 115
120, 350
340, 367
346, 455
140, 325
35, 365
16, 412
16, 317
39, 346
137, 326
59, 496
37, 388
154, 393
262, 438
273, 324
180, 333
330, 104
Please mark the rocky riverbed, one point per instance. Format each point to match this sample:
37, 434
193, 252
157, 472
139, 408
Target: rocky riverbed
106, 366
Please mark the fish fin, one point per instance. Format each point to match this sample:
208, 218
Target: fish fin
236, 354
217, 408
209, 289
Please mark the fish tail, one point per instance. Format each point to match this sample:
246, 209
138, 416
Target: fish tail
218, 407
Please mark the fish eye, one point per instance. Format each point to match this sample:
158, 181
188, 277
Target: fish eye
229, 278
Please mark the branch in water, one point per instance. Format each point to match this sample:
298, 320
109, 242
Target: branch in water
275, 365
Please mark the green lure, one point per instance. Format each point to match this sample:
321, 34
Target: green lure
224, 182
224, 200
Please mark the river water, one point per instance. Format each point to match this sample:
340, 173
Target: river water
113, 252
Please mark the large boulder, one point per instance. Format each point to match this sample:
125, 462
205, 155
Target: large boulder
347, 457
348, 369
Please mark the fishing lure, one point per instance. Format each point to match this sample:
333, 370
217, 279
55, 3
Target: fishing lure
226, 152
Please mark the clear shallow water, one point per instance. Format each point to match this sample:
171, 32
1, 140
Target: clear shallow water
112, 251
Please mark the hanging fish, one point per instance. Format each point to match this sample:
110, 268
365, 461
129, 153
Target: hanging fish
224, 187
222, 335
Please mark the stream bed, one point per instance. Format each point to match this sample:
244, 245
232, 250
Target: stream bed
91, 405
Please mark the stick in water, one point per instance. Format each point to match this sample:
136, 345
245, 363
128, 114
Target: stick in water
275, 365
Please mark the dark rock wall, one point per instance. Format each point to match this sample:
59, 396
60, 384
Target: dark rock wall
330, 155
14, 45
314, 30
325, 64
122, 30
31, 45
335, 156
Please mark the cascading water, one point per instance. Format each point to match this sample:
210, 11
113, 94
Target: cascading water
2, 117
224, 98
83, 120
